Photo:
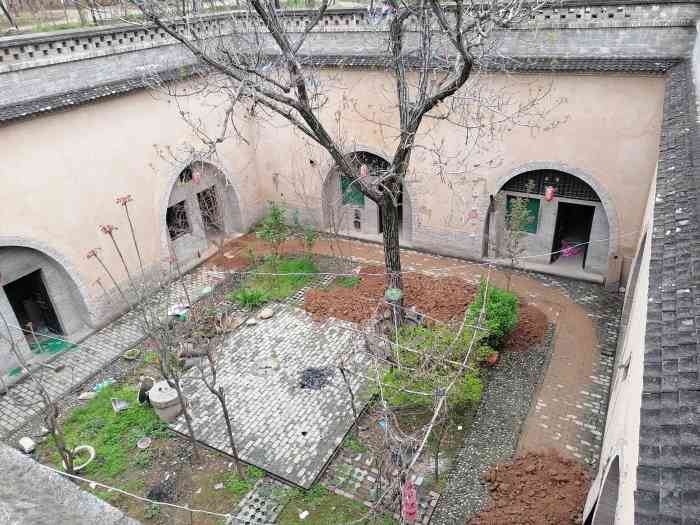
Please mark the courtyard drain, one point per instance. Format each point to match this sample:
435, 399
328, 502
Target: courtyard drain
316, 378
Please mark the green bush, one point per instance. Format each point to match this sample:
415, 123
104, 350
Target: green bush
501, 314
464, 394
438, 351
483, 352
249, 298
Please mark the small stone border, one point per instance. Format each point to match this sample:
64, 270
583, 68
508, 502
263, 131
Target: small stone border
494, 435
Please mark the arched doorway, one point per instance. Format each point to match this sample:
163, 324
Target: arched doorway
35, 288
565, 214
347, 211
202, 210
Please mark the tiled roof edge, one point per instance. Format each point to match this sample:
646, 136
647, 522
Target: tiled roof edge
29, 108
668, 475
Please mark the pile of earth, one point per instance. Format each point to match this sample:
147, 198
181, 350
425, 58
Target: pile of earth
535, 489
441, 298
530, 331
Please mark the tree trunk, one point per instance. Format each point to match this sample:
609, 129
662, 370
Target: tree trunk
391, 220
221, 396
438, 443
188, 420
79, 10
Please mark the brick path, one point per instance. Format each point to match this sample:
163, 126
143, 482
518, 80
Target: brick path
22, 403
569, 412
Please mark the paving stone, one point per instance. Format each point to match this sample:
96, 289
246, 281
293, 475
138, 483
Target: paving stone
280, 427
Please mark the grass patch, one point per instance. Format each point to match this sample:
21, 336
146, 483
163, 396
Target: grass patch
259, 289
236, 486
352, 443
324, 508
113, 435
347, 281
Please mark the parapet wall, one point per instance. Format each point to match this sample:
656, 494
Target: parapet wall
37, 66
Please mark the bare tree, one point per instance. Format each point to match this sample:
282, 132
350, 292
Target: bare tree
138, 293
256, 63
208, 376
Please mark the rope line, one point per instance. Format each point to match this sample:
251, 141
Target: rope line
141, 498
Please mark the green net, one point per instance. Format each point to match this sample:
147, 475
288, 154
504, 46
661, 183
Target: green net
51, 346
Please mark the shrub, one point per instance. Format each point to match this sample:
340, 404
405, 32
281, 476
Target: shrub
273, 228
465, 393
501, 314
249, 298
483, 352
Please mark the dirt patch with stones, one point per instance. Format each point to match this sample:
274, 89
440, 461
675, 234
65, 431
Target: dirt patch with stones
535, 489
442, 298
234, 256
530, 331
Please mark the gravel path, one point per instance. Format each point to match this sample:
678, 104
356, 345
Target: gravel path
494, 435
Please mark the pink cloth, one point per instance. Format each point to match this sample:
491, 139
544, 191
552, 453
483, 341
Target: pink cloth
570, 250
409, 502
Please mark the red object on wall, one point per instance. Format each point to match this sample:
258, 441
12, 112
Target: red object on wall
364, 171
409, 502
549, 193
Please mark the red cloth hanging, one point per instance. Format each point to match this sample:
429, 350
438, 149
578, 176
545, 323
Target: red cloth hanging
409, 502
549, 193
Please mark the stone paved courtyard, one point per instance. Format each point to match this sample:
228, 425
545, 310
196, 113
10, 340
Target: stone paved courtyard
289, 431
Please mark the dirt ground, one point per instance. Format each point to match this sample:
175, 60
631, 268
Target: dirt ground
442, 298
234, 256
532, 326
535, 489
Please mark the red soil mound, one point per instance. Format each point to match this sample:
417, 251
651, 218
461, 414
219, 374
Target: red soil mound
442, 298
535, 489
532, 325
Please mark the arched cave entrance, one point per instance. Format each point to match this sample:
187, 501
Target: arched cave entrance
565, 215
37, 289
203, 209
347, 211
